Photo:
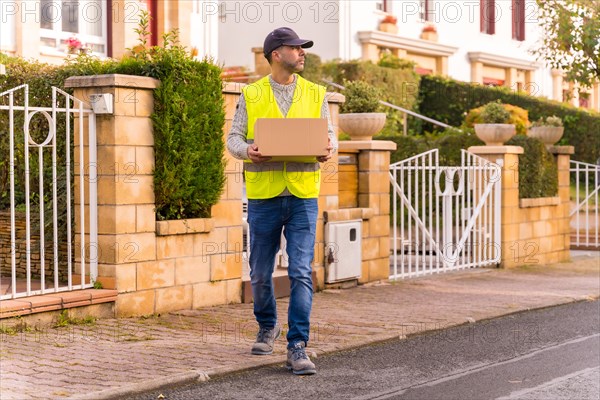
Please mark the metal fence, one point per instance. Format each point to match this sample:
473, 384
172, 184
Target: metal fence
444, 217
585, 216
42, 172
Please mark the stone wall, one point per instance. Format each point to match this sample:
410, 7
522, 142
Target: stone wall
169, 265
364, 181
534, 231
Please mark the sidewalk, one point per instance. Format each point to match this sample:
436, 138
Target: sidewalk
117, 357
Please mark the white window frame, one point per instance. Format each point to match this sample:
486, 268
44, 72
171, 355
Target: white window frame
58, 35
426, 15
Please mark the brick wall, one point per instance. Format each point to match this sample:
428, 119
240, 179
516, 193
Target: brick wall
21, 249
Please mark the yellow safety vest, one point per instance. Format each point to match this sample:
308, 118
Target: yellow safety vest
269, 179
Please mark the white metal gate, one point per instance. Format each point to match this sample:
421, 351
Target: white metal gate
38, 142
585, 216
444, 217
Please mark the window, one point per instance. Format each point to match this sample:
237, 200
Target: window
488, 16
518, 20
584, 100
426, 10
383, 5
83, 19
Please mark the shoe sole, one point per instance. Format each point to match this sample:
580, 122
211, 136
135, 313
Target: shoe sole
265, 353
302, 371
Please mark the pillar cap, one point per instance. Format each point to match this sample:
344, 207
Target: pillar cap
496, 150
112, 80
561, 149
367, 145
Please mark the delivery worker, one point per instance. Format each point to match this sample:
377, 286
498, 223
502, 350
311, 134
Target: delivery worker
282, 196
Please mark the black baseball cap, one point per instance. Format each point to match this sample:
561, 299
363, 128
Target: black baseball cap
284, 37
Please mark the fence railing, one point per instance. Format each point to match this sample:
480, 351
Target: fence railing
444, 217
405, 112
585, 214
42, 171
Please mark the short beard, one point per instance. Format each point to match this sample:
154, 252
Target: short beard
293, 67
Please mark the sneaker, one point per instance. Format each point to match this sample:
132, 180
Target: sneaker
265, 339
298, 362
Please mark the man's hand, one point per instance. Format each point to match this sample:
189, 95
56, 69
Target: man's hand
329, 153
255, 156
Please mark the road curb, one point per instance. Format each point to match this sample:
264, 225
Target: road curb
198, 376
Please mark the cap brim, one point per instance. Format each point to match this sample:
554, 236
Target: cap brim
305, 44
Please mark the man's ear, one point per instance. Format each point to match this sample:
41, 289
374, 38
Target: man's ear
275, 55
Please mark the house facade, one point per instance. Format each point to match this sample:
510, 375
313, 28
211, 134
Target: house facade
482, 41
42, 29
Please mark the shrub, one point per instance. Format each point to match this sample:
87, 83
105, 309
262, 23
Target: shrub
446, 100
360, 98
549, 121
399, 86
494, 113
313, 68
501, 113
538, 172
188, 120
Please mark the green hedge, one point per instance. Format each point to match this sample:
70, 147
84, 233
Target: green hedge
447, 100
538, 173
399, 85
188, 118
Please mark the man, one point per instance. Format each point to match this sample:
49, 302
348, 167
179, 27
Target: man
281, 196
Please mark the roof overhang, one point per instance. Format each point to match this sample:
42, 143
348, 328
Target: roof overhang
502, 61
416, 46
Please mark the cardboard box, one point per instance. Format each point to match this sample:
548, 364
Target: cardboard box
291, 139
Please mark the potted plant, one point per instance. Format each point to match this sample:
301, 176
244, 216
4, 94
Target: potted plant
494, 129
359, 114
429, 32
388, 24
548, 130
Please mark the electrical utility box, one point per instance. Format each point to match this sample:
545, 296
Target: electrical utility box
343, 250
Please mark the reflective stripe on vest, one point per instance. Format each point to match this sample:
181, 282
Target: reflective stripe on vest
267, 180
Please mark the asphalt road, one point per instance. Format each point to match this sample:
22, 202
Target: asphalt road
547, 354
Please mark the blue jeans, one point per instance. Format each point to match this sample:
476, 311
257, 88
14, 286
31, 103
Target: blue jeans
298, 219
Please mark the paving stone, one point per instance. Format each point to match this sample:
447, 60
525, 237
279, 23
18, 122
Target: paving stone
115, 353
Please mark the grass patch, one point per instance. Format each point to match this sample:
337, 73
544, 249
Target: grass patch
19, 326
64, 319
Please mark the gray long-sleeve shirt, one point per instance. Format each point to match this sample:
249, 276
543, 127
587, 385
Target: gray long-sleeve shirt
236, 139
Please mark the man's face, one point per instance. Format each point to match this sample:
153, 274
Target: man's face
291, 58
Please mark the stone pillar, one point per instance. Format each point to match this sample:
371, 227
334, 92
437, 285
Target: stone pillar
529, 82
511, 78
374, 197
124, 21
126, 221
534, 231
27, 29
328, 196
563, 162
476, 72
441, 65
370, 52
508, 158
557, 85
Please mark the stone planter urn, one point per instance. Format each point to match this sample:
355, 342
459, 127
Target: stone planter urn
388, 27
362, 126
495, 134
429, 35
549, 135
